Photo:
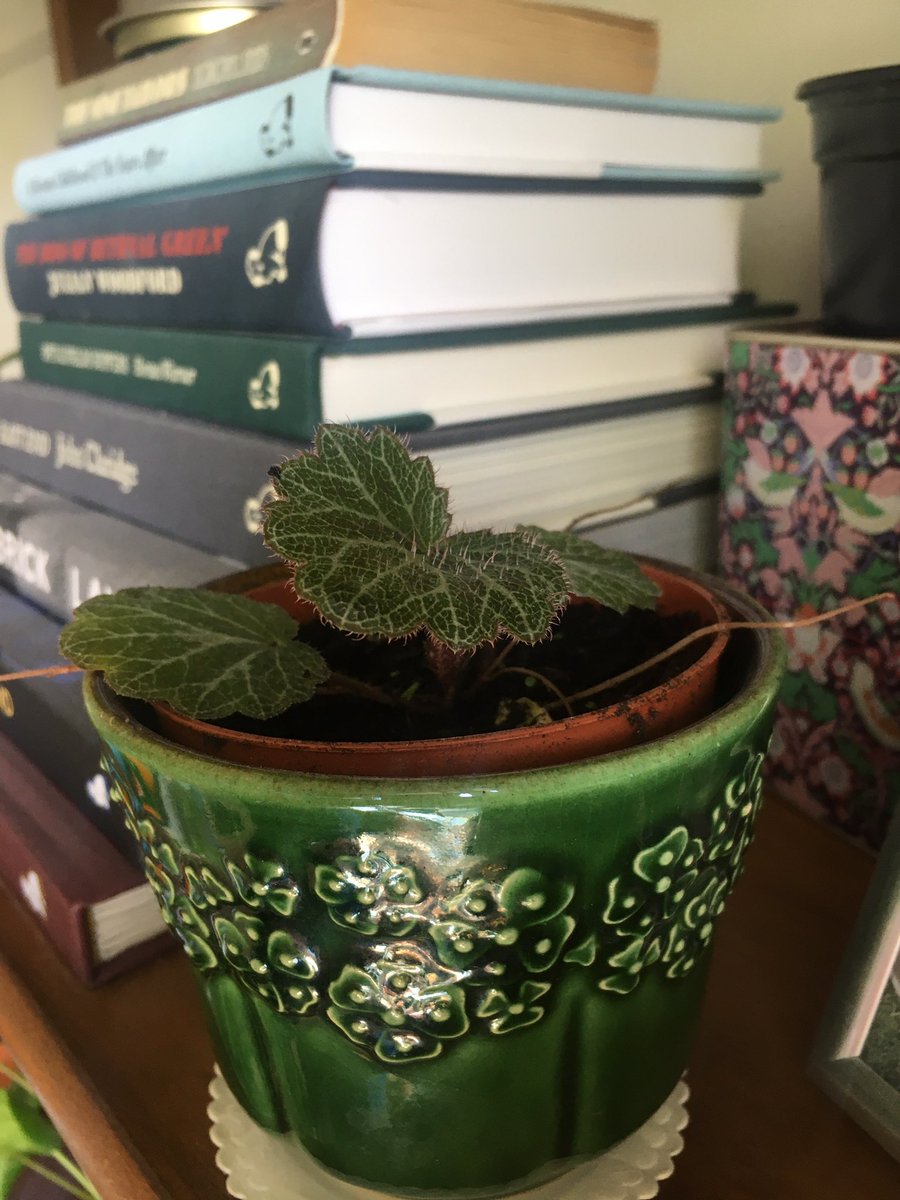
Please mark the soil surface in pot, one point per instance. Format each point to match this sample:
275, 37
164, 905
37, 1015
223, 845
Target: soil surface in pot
589, 645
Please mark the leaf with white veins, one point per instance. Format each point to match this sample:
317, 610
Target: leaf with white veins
366, 529
207, 655
610, 577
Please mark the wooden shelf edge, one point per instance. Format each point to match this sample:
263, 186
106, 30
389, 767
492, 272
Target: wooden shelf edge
81, 1119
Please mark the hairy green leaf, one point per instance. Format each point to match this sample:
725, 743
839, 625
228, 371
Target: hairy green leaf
610, 577
207, 655
366, 529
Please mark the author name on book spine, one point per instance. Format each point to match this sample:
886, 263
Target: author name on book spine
88, 456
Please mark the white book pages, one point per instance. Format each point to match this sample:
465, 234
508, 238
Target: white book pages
394, 129
552, 477
396, 261
476, 382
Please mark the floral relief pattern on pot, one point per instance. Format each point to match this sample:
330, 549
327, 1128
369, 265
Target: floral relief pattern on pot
430, 960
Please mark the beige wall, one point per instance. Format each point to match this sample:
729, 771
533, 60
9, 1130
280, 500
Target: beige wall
28, 114
757, 52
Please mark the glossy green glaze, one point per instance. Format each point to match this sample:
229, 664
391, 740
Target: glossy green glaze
453, 985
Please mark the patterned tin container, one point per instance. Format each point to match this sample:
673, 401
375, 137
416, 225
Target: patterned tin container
810, 517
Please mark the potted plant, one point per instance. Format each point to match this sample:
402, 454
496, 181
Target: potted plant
448, 927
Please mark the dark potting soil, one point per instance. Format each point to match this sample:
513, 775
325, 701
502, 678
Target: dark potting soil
589, 645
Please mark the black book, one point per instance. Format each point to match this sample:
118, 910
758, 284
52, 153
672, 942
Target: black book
374, 253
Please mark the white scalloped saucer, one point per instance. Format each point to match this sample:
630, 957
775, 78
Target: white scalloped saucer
259, 1165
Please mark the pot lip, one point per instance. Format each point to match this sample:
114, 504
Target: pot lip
851, 86
761, 686
507, 738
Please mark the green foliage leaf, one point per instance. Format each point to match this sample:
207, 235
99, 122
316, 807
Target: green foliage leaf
858, 502
207, 655
10, 1170
366, 529
780, 481
880, 576
23, 1127
610, 577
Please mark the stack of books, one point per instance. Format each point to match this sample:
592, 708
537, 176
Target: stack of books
534, 281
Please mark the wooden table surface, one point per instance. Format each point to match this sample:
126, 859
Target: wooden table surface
124, 1069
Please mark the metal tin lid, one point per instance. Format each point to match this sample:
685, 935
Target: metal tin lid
135, 33
873, 81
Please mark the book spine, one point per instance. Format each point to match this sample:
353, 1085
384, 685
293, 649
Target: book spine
54, 860
59, 553
245, 260
279, 128
190, 480
273, 46
269, 386
21, 870
30, 709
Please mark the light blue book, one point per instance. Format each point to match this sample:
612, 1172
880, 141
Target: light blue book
376, 120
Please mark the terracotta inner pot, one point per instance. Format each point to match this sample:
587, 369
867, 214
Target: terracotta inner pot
679, 702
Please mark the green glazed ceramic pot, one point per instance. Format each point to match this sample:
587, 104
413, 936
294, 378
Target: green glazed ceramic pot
457, 987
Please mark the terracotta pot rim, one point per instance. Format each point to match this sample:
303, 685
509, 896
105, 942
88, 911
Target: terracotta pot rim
497, 740
761, 676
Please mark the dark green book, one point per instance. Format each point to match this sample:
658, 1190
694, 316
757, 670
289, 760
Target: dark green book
285, 386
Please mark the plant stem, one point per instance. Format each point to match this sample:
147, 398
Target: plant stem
38, 672
721, 627
77, 1174
548, 684
339, 685
60, 1181
15, 1077
493, 667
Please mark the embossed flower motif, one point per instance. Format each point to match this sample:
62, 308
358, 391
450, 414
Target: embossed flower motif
277, 965
523, 913
664, 910
263, 884
692, 928
131, 787
646, 904
504, 1015
370, 893
402, 1006
733, 819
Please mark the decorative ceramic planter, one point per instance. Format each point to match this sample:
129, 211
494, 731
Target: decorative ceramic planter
454, 986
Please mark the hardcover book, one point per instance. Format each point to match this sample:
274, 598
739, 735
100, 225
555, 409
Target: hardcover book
47, 721
158, 470
382, 254
285, 386
811, 517
58, 552
405, 122
573, 46
678, 522
93, 906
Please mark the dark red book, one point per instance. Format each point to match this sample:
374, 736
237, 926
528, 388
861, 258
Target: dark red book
93, 905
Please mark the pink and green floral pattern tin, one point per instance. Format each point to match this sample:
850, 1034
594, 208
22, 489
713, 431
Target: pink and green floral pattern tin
810, 517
